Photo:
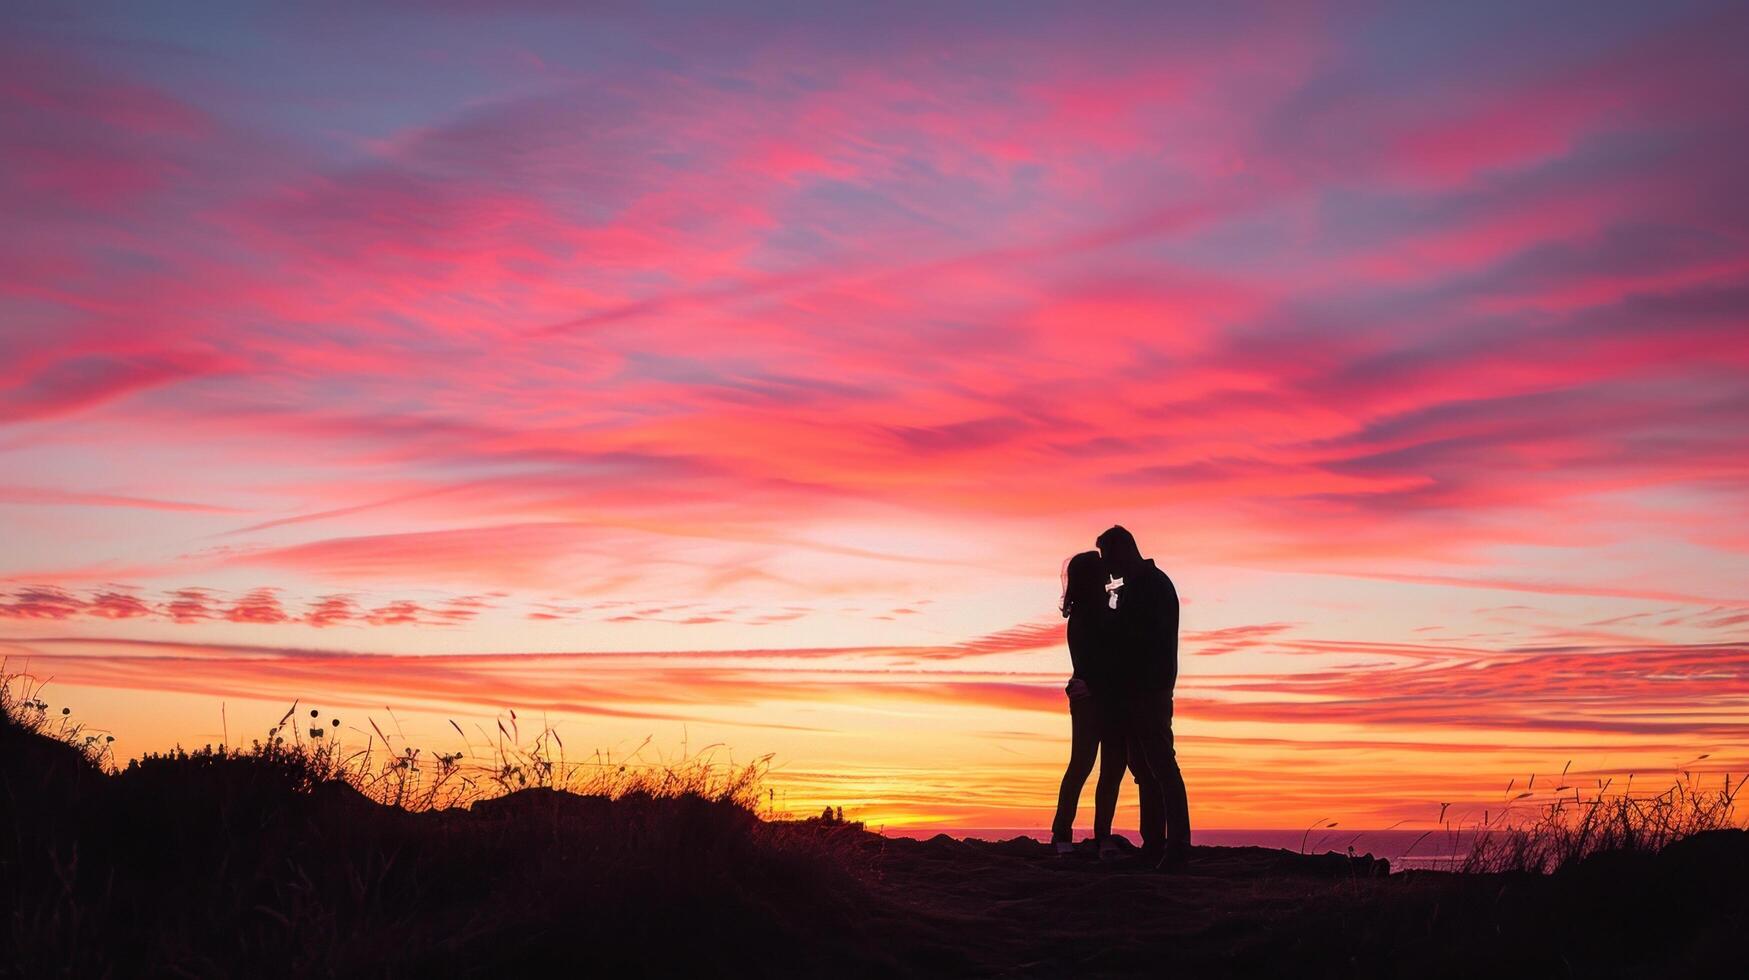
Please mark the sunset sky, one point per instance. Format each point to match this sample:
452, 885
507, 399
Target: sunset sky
745, 378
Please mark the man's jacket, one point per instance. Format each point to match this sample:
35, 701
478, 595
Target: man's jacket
1147, 627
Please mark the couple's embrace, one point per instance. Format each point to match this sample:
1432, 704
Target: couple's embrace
1123, 641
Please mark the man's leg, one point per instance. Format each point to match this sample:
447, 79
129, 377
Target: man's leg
1141, 744
1176, 799
1166, 822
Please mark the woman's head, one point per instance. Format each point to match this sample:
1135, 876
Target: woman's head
1084, 580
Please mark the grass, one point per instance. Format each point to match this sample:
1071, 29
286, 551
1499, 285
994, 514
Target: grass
298, 855
307, 749
22, 706
1561, 831
1560, 827
390, 770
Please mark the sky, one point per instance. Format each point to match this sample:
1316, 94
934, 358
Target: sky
740, 376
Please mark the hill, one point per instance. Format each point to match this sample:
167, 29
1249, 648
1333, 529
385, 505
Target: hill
227, 865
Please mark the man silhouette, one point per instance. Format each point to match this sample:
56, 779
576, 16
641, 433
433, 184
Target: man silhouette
1147, 636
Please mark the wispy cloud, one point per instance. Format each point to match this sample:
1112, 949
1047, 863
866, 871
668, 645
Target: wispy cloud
1346, 309
260, 606
1399, 732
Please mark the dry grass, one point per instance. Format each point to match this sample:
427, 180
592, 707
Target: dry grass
22, 703
308, 748
280, 857
1544, 831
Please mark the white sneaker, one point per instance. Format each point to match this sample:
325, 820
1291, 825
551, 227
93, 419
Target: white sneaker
1065, 848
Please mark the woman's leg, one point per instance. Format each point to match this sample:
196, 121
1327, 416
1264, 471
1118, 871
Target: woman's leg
1083, 746
1113, 759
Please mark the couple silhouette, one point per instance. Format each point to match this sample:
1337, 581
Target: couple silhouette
1123, 642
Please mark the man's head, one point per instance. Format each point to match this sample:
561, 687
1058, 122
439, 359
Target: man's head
1118, 547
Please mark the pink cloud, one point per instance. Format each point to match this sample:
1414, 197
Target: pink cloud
257, 606
261, 606
117, 605
1671, 691
49, 497
1230, 639
42, 602
330, 610
815, 313
190, 606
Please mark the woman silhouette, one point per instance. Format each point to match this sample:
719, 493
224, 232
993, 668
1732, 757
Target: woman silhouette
1095, 708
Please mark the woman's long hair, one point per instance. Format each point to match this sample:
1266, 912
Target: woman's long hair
1083, 581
